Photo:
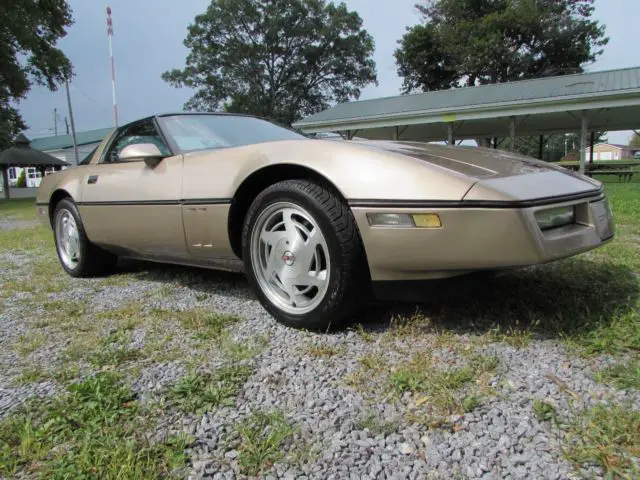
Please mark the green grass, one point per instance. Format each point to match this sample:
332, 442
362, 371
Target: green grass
94, 430
20, 240
263, 436
608, 436
622, 375
444, 391
19, 209
114, 350
543, 411
207, 324
372, 422
29, 343
201, 392
319, 351
32, 374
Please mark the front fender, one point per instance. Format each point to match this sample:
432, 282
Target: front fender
359, 172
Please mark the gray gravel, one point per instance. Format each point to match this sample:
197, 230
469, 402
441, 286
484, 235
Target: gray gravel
499, 439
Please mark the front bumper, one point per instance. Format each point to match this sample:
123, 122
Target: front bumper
474, 238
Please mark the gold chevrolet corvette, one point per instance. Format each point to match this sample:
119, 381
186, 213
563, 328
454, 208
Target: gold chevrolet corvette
317, 224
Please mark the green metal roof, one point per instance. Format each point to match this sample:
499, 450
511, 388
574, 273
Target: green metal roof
503, 95
59, 142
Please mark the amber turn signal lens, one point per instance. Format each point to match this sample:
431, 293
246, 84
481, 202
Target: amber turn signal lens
427, 220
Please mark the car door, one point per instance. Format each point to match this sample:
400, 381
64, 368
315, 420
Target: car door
133, 206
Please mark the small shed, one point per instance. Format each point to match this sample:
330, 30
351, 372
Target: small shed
22, 155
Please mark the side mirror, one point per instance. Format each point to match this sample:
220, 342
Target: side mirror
148, 152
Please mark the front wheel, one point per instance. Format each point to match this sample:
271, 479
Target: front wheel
303, 255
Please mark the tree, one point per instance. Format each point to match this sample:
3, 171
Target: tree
22, 179
555, 147
29, 31
280, 59
472, 42
634, 141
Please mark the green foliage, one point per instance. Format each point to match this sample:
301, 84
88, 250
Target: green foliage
415, 377
543, 411
634, 141
480, 42
200, 392
29, 30
114, 350
608, 436
207, 324
553, 146
622, 375
22, 179
375, 424
95, 430
263, 436
279, 59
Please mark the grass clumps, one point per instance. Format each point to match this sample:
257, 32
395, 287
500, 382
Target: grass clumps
443, 391
114, 350
29, 343
201, 392
207, 324
319, 351
543, 411
372, 422
95, 430
622, 375
608, 436
263, 437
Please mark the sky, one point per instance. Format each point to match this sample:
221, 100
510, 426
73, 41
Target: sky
148, 40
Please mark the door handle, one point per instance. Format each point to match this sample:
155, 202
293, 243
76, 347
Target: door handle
92, 179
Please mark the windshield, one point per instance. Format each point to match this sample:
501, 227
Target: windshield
202, 132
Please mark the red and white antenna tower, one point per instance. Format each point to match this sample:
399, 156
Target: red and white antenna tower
113, 67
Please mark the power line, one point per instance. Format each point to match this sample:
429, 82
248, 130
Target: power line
75, 87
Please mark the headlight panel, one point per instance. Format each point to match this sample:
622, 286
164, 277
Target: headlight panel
555, 217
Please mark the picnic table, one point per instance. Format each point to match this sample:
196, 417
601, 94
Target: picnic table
623, 170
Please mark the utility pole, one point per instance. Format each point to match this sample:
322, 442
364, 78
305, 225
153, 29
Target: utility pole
66, 123
113, 67
55, 121
73, 128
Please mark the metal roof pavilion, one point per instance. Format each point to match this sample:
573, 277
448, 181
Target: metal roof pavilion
607, 100
60, 142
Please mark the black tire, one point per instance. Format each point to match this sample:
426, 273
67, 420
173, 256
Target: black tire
349, 285
93, 261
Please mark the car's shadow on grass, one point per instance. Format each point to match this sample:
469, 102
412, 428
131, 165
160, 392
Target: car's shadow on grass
571, 298
574, 297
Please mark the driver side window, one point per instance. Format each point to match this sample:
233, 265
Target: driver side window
140, 132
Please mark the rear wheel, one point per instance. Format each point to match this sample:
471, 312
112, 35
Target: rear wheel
303, 255
78, 256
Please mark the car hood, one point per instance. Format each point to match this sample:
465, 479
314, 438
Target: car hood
473, 162
496, 174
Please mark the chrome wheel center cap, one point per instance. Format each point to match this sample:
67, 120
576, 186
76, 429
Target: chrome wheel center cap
288, 258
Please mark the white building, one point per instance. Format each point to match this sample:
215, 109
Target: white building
59, 146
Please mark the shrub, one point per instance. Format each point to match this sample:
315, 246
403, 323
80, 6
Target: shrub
22, 179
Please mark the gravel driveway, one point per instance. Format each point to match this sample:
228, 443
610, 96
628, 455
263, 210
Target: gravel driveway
348, 395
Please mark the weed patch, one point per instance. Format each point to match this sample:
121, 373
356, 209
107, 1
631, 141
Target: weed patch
318, 351
263, 436
207, 324
201, 392
543, 411
623, 376
95, 430
376, 425
608, 436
